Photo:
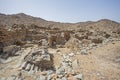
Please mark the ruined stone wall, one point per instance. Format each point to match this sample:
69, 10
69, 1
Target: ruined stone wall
58, 39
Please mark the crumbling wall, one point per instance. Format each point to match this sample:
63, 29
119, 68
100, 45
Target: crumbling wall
38, 59
58, 39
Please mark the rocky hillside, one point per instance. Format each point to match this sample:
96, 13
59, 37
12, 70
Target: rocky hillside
36, 49
21, 18
34, 25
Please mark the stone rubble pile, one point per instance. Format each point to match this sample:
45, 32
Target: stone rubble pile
38, 60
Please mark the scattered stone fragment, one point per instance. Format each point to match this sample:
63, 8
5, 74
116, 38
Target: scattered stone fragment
71, 54
79, 76
78, 52
28, 67
36, 68
41, 77
24, 65
64, 78
3, 78
84, 51
68, 69
11, 78
60, 71
75, 65
49, 77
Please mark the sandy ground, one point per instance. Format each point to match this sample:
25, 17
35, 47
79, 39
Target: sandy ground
102, 63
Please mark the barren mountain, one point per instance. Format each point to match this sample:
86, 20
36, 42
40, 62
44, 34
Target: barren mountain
21, 18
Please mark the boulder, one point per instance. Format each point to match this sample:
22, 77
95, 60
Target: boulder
84, 51
10, 51
71, 54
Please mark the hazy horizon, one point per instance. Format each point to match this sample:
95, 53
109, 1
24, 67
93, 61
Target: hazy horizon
64, 11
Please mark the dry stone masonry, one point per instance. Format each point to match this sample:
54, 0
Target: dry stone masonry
38, 60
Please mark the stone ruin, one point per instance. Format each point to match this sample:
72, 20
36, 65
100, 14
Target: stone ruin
58, 38
9, 51
38, 60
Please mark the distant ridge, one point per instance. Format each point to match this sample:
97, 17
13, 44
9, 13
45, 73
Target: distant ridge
21, 18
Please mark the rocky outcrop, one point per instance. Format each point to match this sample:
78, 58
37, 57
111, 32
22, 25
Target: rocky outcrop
12, 36
9, 51
5, 37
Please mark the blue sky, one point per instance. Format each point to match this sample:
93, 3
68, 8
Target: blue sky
64, 10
